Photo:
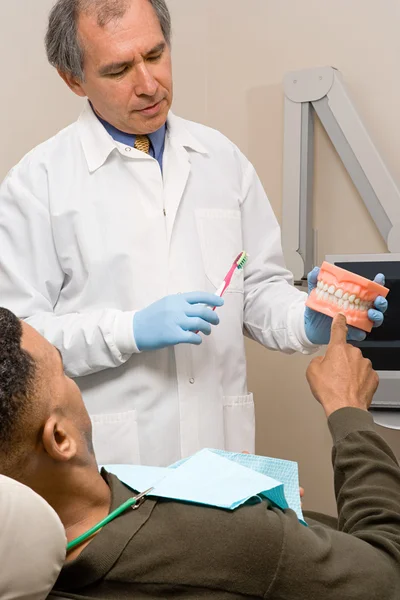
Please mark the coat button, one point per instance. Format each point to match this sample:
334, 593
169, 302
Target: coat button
191, 380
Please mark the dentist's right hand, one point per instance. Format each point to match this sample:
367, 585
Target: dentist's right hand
175, 320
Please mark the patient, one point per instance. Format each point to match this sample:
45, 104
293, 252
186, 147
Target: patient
167, 549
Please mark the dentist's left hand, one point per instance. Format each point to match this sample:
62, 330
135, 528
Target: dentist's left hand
318, 326
175, 320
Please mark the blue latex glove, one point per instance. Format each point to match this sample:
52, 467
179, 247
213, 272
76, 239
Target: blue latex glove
175, 320
318, 326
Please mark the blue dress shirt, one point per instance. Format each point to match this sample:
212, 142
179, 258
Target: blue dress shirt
157, 140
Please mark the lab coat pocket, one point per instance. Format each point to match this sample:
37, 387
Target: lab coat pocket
239, 423
115, 438
220, 235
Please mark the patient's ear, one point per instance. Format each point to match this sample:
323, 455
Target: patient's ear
58, 442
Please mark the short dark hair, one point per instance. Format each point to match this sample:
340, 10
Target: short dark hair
17, 383
63, 47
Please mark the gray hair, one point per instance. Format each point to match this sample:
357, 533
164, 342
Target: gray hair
64, 50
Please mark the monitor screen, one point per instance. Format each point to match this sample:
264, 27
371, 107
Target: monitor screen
382, 345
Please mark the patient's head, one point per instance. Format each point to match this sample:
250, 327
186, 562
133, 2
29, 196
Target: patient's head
45, 429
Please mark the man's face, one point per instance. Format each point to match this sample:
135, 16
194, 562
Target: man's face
54, 389
127, 66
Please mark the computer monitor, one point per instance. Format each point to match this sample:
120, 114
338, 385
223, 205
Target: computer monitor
382, 345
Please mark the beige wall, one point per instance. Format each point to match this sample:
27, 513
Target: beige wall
34, 103
230, 57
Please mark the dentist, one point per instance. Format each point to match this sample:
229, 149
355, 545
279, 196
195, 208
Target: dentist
109, 230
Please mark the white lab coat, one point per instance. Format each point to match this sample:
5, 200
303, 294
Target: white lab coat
90, 232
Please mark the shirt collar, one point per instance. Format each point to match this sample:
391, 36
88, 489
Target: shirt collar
157, 138
98, 144
180, 135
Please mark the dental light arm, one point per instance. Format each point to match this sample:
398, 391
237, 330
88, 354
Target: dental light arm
321, 90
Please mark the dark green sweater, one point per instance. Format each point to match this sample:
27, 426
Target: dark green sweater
167, 549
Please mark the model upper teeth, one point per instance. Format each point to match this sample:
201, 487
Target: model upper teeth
339, 297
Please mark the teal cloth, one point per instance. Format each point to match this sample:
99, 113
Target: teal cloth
285, 471
218, 478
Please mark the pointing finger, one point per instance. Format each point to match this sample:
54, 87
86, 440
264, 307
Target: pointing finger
338, 330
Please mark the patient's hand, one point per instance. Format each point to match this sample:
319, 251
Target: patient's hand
342, 378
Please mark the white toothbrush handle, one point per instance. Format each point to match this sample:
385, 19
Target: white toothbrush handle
220, 289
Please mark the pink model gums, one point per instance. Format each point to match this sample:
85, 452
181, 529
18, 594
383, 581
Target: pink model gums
340, 291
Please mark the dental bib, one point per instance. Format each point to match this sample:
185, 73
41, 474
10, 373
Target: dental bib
219, 479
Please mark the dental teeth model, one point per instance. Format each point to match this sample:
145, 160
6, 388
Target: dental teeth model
339, 290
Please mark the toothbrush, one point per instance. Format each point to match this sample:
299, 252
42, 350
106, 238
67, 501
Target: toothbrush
238, 263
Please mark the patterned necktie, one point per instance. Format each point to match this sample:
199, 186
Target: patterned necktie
142, 143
